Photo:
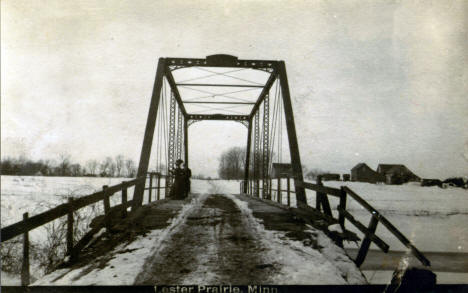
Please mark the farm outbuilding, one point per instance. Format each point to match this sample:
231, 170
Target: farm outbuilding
397, 174
363, 173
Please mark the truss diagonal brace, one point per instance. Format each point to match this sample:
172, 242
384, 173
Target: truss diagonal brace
172, 84
264, 92
292, 137
149, 132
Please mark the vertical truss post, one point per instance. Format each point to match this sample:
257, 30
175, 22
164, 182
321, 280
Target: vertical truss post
247, 157
149, 132
266, 146
257, 154
257, 147
186, 141
172, 136
180, 122
292, 137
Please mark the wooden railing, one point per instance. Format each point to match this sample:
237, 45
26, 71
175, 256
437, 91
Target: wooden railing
322, 204
67, 209
255, 188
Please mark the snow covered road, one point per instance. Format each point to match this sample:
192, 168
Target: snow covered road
218, 239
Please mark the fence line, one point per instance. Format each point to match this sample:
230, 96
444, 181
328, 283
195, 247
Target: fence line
322, 204
29, 223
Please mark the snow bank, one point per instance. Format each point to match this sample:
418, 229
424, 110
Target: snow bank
302, 264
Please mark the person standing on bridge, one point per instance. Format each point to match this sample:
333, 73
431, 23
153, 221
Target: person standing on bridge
187, 175
177, 190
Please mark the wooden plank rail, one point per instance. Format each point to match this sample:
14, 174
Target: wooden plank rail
150, 187
67, 209
360, 200
25, 264
159, 185
33, 222
341, 217
323, 204
379, 242
70, 221
390, 227
366, 242
89, 235
323, 189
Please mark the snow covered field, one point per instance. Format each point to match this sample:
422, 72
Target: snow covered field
36, 194
432, 218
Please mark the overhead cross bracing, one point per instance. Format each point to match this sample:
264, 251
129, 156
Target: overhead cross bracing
219, 90
222, 87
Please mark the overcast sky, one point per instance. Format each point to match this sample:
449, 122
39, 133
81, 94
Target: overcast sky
371, 81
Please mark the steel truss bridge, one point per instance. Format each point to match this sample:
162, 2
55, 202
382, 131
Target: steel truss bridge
225, 88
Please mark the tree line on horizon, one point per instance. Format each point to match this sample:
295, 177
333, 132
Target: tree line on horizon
232, 164
119, 166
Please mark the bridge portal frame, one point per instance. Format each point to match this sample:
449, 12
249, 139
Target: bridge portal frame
277, 70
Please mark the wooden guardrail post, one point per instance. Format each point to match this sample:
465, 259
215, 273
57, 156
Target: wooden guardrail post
106, 205
366, 241
159, 186
70, 221
270, 188
318, 195
257, 188
124, 198
288, 190
322, 199
278, 193
25, 265
150, 186
342, 205
166, 185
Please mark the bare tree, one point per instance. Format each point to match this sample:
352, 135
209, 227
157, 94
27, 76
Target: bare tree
64, 164
231, 163
92, 166
119, 165
107, 167
112, 169
131, 169
75, 169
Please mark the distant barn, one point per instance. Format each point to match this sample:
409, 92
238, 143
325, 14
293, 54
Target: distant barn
281, 170
397, 174
363, 173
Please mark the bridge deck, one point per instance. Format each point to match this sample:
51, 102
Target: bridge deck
215, 239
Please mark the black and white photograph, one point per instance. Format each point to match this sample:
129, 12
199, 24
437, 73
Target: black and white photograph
234, 146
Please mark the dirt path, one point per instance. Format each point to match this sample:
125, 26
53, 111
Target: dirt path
213, 246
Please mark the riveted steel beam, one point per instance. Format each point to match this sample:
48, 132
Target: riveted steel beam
216, 117
220, 60
265, 91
